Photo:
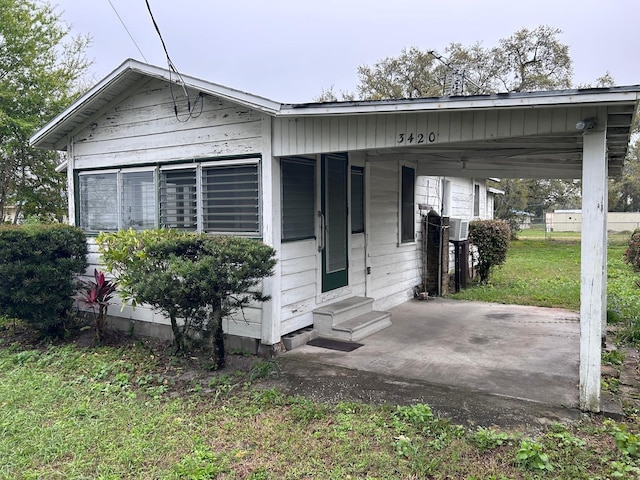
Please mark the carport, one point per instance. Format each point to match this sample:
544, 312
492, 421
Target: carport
569, 134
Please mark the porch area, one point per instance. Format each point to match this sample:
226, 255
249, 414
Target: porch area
474, 362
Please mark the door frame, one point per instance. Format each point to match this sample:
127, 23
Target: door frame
331, 281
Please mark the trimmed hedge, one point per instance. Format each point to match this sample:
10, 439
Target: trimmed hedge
491, 238
37, 268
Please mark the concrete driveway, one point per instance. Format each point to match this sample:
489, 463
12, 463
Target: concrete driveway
481, 363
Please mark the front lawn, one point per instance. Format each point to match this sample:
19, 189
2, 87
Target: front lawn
131, 412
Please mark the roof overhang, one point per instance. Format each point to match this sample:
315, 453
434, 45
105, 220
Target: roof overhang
54, 134
557, 155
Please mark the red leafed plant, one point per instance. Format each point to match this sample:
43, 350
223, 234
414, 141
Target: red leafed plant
96, 294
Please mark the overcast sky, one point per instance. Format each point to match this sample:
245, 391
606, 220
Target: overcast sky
289, 50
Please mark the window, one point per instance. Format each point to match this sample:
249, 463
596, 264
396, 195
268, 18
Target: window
298, 198
407, 205
178, 200
139, 200
357, 200
476, 200
98, 195
230, 199
220, 198
446, 198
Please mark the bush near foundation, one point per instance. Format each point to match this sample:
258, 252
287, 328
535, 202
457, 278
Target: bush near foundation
38, 263
194, 279
491, 239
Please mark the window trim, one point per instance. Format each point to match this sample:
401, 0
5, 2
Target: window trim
401, 236
360, 172
196, 166
311, 162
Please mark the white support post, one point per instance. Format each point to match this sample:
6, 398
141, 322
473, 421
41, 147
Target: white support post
271, 228
593, 276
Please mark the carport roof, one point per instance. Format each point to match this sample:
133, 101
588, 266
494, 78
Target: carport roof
620, 102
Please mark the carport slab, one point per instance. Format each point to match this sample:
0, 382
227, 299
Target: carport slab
460, 357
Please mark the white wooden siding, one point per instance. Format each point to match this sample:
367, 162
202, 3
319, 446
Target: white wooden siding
142, 128
304, 135
395, 268
298, 264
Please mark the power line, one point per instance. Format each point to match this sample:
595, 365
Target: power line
127, 30
172, 68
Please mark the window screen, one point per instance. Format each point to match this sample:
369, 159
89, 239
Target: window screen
178, 201
298, 199
407, 209
98, 201
357, 200
476, 200
230, 199
138, 200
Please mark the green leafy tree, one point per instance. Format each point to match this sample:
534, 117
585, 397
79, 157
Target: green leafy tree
40, 70
528, 60
195, 280
624, 192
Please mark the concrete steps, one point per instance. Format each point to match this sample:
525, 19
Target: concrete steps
350, 320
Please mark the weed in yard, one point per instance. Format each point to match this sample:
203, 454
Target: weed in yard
627, 442
530, 456
489, 438
420, 415
404, 447
610, 384
201, 464
613, 357
262, 369
305, 411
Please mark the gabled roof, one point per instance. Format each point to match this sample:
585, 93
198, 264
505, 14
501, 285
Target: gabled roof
622, 103
129, 73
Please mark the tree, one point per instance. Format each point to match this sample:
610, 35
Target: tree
624, 192
528, 60
40, 70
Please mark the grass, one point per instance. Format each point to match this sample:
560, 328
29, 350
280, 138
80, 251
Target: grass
546, 272
131, 412
71, 412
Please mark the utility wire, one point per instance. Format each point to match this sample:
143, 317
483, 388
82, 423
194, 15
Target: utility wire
172, 68
127, 30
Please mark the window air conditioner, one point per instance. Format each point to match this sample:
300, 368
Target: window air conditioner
458, 229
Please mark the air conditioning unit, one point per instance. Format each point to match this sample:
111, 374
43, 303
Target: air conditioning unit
458, 229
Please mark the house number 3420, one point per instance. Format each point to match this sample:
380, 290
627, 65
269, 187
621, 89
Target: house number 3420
419, 138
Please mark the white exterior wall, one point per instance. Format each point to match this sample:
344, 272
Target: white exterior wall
124, 136
395, 268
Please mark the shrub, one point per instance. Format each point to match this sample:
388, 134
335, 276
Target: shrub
96, 294
37, 268
197, 279
632, 254
491, 239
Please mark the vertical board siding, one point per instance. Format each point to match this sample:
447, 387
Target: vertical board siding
307, 135
395, 269
142, 128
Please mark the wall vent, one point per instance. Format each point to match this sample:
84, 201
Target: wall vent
458, 229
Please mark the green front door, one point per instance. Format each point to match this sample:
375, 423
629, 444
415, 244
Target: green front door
334, 232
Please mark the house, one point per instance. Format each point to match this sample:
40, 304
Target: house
335, 188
